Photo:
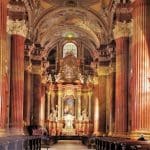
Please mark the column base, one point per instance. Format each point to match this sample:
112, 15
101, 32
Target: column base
110, 133
137, 134
4, 132
16, 131
120, 134
98, 133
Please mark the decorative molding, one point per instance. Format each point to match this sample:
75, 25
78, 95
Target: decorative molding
16, 8
17, 27
123, 29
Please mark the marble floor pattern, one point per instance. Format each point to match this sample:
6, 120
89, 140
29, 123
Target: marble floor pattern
67, 145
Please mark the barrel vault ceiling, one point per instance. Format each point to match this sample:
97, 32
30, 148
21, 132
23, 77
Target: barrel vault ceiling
50, 21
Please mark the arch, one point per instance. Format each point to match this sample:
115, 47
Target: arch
70, 47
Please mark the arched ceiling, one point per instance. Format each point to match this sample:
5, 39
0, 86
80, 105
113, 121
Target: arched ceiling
53, 24
84, 20
79, 2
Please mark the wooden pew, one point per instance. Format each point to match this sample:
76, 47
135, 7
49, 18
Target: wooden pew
116, 143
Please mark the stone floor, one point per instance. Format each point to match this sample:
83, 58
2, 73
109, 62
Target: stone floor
67, 145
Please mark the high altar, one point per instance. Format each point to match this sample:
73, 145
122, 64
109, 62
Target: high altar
69, 100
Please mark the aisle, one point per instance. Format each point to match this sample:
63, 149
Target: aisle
68, 145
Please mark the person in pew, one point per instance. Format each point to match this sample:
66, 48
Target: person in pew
141, 138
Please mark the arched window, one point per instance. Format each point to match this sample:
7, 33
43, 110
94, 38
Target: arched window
70, 48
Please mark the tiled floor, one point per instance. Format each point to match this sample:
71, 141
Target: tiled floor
67, 145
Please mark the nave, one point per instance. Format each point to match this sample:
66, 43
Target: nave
75, 68
67, 145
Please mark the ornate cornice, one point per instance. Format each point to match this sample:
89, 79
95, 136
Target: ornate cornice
17, 27
122, 29
16, 8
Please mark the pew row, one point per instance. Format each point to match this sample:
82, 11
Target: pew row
114, 143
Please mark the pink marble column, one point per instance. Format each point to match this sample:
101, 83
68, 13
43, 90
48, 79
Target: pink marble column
3, 74
17, 82
37, 92
102, 103
121, 100
140, 69
110, 102
27, 97
42, 107
96, 122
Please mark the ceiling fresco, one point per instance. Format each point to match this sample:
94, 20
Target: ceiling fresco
49, 20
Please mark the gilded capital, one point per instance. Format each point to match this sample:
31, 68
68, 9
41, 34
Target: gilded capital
17, 27
122, 29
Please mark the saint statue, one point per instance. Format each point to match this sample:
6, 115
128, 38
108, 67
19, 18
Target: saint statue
68, 121
84, 115
53, 115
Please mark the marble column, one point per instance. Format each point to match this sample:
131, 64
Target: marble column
48, 105
79, 103
110, 101
42, 106
140, 69
3, 67
59, 102
102, 73
27, 96
17, 82
90, 104
96, 122
53, 96
37, 87
121, 34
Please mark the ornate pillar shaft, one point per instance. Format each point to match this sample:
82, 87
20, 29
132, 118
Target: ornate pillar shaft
121, 110
79, 103
59, 101
140, 68
27, 97
109, 103
102, 103
121, 32
17, 81
84, 102
96, 130
90, 104
42, 106
48, 105
37, 87
52, 100
3, 74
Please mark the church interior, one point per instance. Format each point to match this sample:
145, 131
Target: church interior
75, 69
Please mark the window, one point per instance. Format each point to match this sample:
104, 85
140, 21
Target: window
70, 48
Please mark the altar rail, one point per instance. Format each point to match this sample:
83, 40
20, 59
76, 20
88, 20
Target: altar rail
112, 143
20, 143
